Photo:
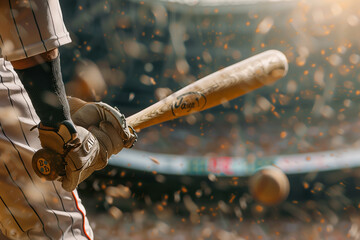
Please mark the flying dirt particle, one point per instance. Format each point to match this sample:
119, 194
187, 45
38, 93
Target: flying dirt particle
154, 160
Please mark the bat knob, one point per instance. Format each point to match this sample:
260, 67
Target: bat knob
48, 164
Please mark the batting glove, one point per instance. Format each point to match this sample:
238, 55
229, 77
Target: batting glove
79, 148
90, 115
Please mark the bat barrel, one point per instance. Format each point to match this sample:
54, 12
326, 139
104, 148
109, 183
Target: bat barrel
219, 87
239, 79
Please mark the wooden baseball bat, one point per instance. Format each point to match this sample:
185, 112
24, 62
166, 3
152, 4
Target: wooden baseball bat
214, 89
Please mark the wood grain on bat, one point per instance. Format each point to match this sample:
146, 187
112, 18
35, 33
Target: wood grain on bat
214, 89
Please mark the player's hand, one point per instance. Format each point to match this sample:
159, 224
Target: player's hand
83, 151
91, 114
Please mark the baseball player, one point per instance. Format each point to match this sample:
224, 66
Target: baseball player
38, 115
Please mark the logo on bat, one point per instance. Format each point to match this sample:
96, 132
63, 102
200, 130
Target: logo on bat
188, 102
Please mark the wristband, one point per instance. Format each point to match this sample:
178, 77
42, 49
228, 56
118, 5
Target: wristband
46, 90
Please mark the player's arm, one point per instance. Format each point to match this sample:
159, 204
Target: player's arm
34, 56
84, 150
42, 79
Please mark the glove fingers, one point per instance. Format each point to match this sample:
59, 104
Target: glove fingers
92, 114
71, 179
103, 139
86, 116
75, 103
81, 160
105, 144
115, 138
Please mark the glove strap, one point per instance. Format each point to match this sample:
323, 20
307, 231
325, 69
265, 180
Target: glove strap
60, 140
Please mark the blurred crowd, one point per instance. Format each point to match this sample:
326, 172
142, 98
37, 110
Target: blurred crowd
133, 53
227, 229
317, 209
228, 138
137, 205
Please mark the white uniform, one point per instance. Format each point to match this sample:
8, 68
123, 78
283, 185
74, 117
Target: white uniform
29, 207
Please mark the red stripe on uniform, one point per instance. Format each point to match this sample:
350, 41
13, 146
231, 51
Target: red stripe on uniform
82, 213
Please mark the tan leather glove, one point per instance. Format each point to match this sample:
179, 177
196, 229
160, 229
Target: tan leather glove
79, 148
90, 114
84, 151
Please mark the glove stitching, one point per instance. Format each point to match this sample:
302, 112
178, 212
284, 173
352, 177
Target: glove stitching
75, 165
120, 122
106, 151
78, 169
103, 112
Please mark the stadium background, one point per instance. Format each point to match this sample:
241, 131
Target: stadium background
187, 179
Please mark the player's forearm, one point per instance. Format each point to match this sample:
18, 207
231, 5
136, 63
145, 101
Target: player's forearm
42, 79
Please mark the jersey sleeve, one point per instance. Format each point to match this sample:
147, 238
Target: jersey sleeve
30, 27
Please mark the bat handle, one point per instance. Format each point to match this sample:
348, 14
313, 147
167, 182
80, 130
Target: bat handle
48, 164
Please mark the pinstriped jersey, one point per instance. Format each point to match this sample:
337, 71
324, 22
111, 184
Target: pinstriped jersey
30, 27
29, 207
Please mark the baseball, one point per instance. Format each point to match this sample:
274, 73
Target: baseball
269, 186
